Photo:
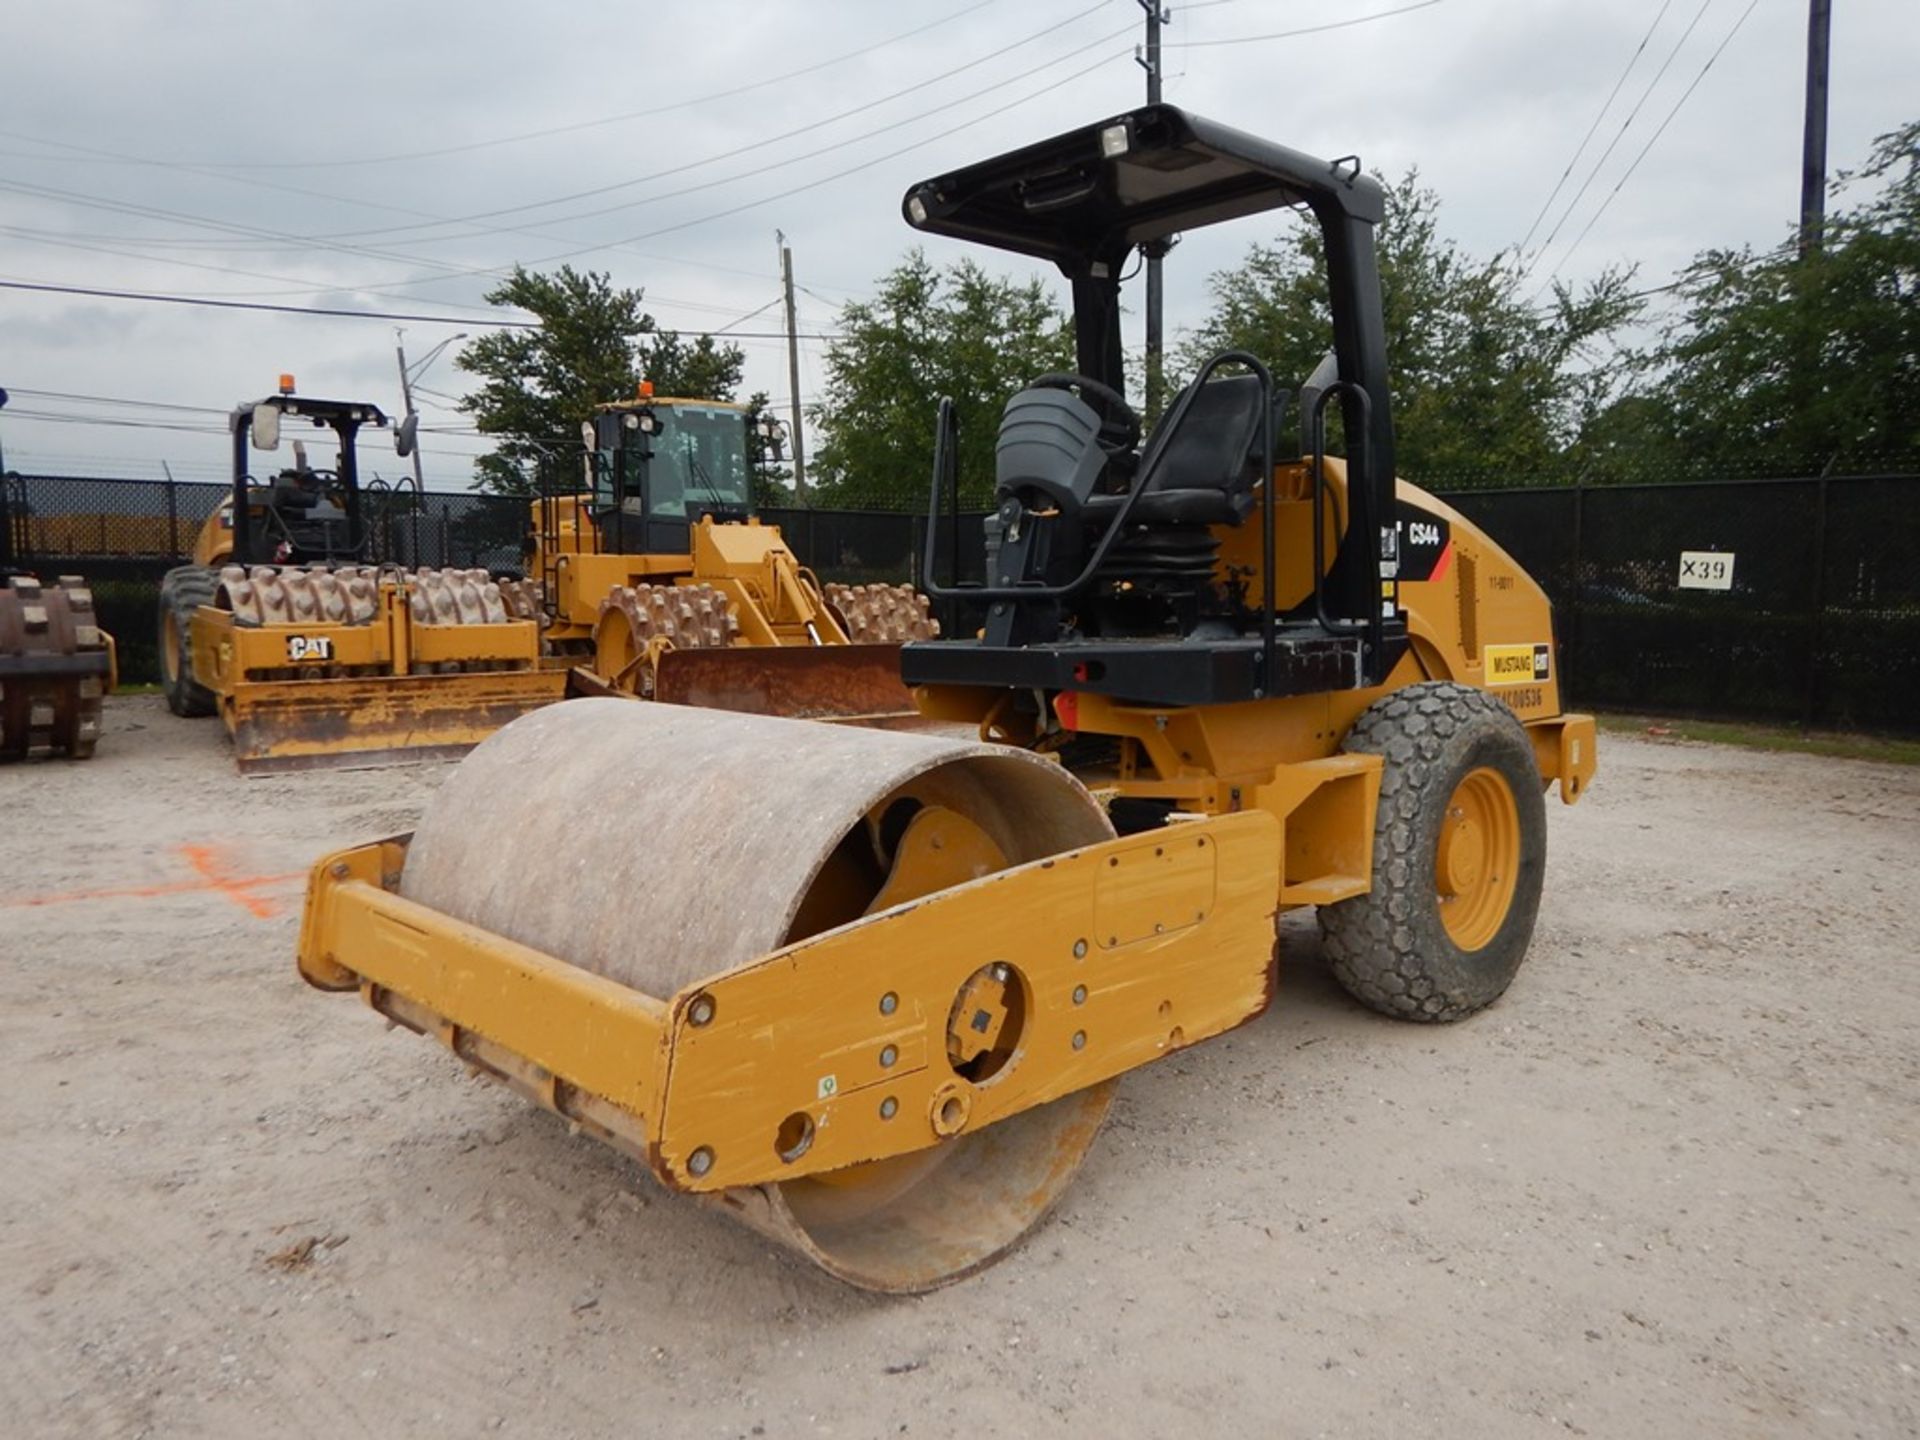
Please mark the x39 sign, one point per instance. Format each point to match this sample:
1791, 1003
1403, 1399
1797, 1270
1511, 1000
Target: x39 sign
1706, 570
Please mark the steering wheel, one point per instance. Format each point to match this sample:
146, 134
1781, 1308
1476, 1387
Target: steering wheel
1119, 425
328, 485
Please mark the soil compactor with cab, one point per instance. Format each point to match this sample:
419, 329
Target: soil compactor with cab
312, 653
1216, 681
659, 584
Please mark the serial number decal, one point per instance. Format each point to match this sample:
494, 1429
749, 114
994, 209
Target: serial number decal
1519, 664
1530, 697
309, 647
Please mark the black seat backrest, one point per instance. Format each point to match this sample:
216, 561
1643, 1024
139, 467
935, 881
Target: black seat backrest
291, 492
1216, 444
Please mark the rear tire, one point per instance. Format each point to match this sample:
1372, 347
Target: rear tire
1459, 851
183, 591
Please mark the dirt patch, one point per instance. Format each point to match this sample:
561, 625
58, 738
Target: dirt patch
1667, 1186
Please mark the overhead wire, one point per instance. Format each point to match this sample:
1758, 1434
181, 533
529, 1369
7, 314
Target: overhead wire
765, 141
1302, 30
575, 127
1050, 88
494, 322
336, 240
111, 400
1528, 265
1652, 140
1585, 140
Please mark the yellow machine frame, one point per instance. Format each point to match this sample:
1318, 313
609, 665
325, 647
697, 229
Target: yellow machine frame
1132, 948
1122, 942
1406, 807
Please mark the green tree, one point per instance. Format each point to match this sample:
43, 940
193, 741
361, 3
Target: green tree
699, 369
928, 333
1781, 363
1482, 381
594, 343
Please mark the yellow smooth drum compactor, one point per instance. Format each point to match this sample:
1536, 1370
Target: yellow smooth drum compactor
870, 992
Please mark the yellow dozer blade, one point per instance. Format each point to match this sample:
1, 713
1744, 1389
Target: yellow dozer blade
55, 666
351, 722
354, 666
866, 992
815, 682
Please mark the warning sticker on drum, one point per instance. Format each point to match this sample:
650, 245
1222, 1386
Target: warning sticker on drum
1519, 664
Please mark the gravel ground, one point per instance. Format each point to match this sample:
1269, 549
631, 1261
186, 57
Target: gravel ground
1666, 1187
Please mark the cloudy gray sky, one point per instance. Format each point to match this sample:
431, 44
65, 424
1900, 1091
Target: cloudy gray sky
391, 157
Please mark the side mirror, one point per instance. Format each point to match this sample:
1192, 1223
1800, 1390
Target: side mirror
406, 436
266, 427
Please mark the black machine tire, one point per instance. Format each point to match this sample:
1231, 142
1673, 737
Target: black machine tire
1392, 948
182, 591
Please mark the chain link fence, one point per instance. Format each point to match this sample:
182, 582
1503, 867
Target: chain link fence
1817, 620
1786, 599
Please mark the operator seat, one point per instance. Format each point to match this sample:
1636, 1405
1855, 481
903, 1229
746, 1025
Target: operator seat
295, 490
1204, 472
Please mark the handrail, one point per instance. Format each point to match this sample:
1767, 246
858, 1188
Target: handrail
1370, 626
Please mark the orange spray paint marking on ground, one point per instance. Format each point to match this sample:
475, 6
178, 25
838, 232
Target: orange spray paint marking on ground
206, 860
212, 875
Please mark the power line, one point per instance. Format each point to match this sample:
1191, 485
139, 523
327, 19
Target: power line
1049, 89
75, 197
920, 144
765, 141
450, 272
1606, 105
295, 243
1303, 30
56, 418
579, 125
759, 310
112, 400
1625, 125
494, 322
1653, 139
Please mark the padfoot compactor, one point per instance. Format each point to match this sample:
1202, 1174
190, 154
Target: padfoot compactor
56, 666
656, 581
312, 654
871, 992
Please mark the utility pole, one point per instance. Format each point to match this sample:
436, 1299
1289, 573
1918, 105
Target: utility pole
793, 371
406, 397
1813, 145
1155, 250
406, 392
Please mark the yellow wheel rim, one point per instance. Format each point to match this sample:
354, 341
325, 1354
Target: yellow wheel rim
170, 646
1476, 863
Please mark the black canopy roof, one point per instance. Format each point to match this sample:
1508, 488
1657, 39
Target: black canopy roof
1086, 197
